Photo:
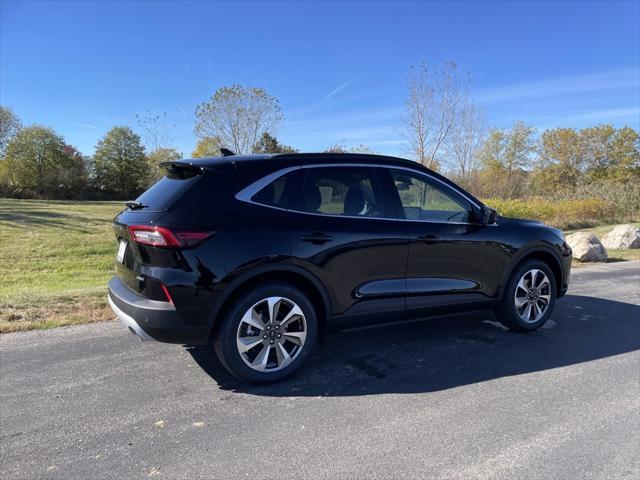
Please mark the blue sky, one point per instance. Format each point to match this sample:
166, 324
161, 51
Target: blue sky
338, 68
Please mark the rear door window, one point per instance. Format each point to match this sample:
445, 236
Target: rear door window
347, 191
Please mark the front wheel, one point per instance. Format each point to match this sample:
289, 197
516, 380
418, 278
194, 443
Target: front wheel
268, 333
529, 297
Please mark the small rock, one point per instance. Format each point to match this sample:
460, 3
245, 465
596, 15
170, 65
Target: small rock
586, 247
623, 236
159, 424
198, 424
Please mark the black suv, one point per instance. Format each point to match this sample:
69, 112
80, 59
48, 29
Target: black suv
261, 253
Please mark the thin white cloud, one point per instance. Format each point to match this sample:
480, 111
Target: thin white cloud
593, 82
184, 114
335, 91
85, 125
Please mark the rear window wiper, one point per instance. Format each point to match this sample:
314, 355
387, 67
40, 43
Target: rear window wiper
134, 205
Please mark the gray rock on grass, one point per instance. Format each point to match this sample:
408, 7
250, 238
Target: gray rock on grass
623, 236
586, 247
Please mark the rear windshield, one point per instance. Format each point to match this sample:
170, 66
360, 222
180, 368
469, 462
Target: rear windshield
167, 191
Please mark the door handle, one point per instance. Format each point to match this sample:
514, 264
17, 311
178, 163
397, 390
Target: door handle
317, 238
428, 238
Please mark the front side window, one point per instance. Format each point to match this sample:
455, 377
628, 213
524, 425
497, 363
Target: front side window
424, 200
348, 191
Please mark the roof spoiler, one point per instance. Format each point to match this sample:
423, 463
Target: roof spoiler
181, 169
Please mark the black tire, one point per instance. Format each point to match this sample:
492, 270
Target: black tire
508, 314
226, 336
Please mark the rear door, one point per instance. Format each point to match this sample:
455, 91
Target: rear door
453, 259
346, 236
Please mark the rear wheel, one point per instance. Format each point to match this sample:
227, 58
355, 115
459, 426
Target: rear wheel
529, 297
267, 334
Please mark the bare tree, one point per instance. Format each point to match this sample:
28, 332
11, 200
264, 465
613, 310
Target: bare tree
238, 116
434, 98
466, 137
154, 131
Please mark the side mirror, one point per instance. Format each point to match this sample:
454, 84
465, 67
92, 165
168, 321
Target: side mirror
488, 215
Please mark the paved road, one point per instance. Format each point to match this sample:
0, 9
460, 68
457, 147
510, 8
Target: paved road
455, 398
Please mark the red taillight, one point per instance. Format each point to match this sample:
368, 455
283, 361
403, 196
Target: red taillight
164, 237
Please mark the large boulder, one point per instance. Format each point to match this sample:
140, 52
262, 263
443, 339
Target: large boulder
623, 236
586, 247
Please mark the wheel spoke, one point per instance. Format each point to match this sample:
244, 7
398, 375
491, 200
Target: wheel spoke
537, 312
292, 315
260, 362
521, 284
546, 298
252, 318
282, 355
520, 301
527, 313
274, 306
296, 337
247, 343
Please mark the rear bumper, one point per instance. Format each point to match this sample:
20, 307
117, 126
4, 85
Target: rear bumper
151, 319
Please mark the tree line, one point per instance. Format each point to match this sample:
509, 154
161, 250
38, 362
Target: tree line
443, 128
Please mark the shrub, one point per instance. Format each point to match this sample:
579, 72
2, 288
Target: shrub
565, 214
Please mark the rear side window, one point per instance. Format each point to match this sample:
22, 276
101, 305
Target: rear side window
349, 191
167, 191
278, 192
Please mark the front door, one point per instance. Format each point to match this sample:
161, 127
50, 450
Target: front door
452, 259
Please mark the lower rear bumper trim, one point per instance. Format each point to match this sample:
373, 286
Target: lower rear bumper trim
129, 322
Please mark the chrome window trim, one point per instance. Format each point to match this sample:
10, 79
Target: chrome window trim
247, 193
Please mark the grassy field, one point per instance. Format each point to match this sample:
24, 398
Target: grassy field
56, 258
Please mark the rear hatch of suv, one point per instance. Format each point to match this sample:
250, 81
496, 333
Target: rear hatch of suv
134, 259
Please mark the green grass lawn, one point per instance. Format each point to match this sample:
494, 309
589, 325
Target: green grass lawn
55, 260
57, 256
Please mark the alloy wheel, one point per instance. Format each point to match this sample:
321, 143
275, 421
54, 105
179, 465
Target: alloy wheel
271, 334
532, 295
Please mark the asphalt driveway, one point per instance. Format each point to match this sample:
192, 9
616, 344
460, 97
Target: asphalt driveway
449, 398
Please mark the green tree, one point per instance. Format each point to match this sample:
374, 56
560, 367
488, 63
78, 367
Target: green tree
618, 157
157, 157
207, 147
238, 116
506, 156
39, 163
119, 164
560, 162
9, 126
270, 144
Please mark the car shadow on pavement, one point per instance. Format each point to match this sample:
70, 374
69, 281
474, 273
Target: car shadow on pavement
439, 354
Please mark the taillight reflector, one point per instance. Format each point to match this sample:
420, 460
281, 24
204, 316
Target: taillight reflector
167, 294
164, 237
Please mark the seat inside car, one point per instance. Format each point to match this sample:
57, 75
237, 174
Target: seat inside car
312, 198
354, 201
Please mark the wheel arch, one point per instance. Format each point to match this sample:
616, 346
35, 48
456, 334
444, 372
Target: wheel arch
290, 274
538, 252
